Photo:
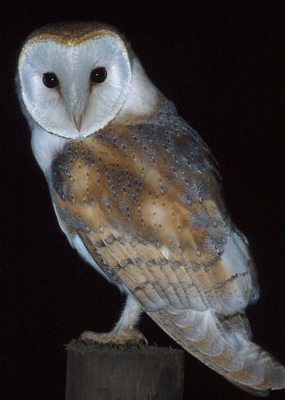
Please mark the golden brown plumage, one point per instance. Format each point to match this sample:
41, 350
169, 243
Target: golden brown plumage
145, 200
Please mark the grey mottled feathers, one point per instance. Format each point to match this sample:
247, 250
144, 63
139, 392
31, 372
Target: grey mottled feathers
145, 200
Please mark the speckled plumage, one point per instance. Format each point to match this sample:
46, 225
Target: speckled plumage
152, 184
140, 199
145, 200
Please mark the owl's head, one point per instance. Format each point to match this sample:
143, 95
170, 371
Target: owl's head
75, 78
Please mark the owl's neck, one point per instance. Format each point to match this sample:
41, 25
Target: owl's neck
143, 97
45, 146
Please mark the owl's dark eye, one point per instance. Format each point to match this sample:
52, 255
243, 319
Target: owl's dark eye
50, 80
98, 75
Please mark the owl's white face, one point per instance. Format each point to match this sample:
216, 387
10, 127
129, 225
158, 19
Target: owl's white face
74, 90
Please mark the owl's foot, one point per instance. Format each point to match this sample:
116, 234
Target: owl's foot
116, 337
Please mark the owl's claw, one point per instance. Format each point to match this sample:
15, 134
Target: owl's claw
116, 337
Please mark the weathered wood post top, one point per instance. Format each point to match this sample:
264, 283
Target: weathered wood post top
104, 372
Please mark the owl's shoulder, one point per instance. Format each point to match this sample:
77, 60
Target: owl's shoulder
162, 145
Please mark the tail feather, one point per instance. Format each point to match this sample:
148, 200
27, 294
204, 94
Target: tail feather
247, 389
235, 357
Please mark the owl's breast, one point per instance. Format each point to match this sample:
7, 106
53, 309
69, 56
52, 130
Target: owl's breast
155, 181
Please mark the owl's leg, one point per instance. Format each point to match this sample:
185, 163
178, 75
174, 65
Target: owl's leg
124, 330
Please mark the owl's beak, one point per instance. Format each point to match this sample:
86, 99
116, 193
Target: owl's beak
77, 121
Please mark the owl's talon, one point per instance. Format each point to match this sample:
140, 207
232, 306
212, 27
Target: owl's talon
120, 337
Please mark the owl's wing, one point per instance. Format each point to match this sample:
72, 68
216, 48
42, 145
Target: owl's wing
157, 225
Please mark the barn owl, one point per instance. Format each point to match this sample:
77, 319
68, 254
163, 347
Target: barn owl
137, 193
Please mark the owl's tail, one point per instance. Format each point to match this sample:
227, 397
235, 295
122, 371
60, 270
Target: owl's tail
225, 346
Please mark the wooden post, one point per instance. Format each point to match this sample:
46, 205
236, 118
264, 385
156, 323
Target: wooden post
103, 372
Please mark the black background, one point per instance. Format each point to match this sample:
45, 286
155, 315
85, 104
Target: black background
222, 63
